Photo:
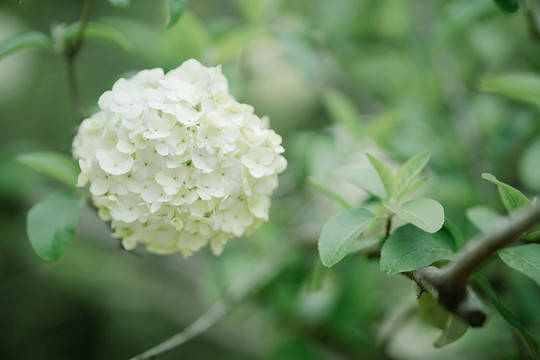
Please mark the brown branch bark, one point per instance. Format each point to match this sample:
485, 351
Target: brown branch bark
449, 284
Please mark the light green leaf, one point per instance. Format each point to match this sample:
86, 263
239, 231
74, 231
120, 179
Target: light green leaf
385, 174
120, 3
342, 111
364, 177
51, 223
529, 169
409, 172
528, 340
99, 31
523, 87
56, 165
455, 329
523, 258
409, 248
24, 40
483, 217
328, 191
425, 213
176, 8
340, 233
431, 312
512, 198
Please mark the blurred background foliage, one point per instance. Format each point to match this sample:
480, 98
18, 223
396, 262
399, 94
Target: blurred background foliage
337, 78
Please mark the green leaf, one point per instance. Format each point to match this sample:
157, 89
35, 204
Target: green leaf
425, 213
340, 233
483, 217
522, 87
56, 165
528, 340
342, 111
529, 170
99, 31
523, 258
512, 198
409, 248
431, 312
328, 191
363, 177
120, 3
385, 174
51, 223
455, 329
409, 172
507, 6
24, 40
456, 234
176, 8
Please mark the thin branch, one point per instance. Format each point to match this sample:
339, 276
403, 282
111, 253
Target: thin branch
448, 285
71, 51
263, 272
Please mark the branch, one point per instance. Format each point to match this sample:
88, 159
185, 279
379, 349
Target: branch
263, 272
71, 51
448, 285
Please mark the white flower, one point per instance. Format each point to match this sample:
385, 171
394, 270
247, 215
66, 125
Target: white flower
175, 162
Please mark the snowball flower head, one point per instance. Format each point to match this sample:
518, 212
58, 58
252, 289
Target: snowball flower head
174, 162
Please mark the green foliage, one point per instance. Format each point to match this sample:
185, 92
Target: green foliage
529, 170
432, 313
454, 330
328, 191
56, 165
409, 172
523, 258
425, 213
364, 177
99, 31
28, 39
409, 248
176, 9
385, 174
512, 198
342, 111
120, 3
522, 87
483, 217
340, 233
508, 6
52, 222
528, 340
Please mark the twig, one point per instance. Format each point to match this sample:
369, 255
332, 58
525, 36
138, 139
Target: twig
71, 51
263, 272
448, 285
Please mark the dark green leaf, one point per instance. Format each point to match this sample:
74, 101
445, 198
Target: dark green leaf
52, 222
120, 3
56, 165
508, 6
409, 248
328, 191
528, 340
431, 312
512, 198
483, 217
523, 258
342, 111
99, 31
409, 172
24, 40
455, 329
456, 234
340, 233
364, 177
425, 213
385, 174
176, 8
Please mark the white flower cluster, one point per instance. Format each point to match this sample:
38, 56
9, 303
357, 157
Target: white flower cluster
174, 161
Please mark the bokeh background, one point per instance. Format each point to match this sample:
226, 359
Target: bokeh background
337, 78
